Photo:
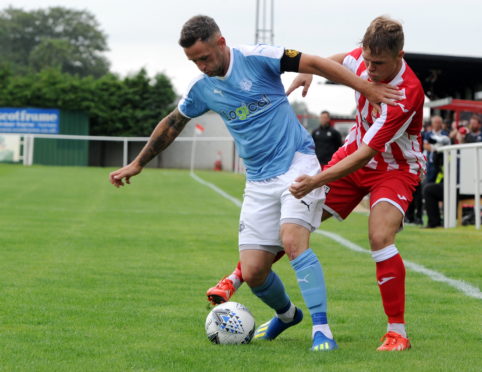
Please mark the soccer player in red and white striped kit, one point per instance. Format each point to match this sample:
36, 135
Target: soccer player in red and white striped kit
382, 156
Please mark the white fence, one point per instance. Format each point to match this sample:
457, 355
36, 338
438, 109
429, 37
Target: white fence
462, 173
208, 151
462, 163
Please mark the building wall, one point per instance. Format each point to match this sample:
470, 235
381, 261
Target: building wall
178, 154
49, 151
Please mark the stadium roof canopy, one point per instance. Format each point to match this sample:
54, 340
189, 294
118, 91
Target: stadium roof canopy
447, 76
456, 105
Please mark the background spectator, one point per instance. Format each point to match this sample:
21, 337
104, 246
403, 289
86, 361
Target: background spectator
457, 132
433, 193
414, 213
434, 139
432, 187
327, 139
474, 134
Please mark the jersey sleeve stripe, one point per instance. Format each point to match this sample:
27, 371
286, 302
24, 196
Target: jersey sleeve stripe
186, 93
402, 129
261, 50
351, 63
181, 111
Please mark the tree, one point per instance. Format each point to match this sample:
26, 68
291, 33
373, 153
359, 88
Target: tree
52, 58
116, 107
50, 52
70, 40
132, 106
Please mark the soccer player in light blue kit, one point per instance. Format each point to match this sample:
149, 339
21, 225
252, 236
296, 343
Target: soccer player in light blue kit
243, 86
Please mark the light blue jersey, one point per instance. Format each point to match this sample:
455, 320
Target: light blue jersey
252, 102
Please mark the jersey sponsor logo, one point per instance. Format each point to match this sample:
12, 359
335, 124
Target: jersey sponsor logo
291, 53
244, 111
217, 91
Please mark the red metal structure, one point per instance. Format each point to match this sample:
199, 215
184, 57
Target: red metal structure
457, 105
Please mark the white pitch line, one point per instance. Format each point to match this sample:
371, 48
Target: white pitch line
217, 189
460, 285
467, 289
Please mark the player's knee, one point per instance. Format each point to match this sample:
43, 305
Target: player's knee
291, 247
289, 241
379, 240
254, 275
295, 240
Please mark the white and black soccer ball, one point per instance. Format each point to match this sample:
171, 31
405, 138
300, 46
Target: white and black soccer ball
230, 323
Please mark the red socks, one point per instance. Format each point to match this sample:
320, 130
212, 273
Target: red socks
391, 282
237, 271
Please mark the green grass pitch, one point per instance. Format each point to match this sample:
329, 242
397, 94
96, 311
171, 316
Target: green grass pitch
94, 278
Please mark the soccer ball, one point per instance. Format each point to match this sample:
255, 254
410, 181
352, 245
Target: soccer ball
230, 323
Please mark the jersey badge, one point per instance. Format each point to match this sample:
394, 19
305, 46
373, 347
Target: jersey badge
291, 53
246, 85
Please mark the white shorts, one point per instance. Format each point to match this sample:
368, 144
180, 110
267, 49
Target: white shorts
268, 204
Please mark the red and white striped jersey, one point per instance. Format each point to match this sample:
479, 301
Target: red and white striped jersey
396, 131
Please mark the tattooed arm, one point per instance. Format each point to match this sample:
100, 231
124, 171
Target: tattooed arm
162, 136
164, 133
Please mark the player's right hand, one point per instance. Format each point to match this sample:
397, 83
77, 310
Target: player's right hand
301, 80
302, 186
116, 178
378, 93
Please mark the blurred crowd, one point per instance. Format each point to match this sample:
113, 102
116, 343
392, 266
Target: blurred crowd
466, 131
429, 195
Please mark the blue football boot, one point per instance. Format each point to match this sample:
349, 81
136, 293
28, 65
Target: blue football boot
323, 343
271, 329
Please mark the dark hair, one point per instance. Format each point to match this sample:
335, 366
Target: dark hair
199, 27
325, 112
383, 34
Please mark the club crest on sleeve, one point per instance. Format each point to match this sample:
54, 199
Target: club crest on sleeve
291, 53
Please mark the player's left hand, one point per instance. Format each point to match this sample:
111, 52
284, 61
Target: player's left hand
378, 93
302, 186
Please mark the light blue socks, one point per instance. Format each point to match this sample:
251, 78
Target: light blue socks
312, 284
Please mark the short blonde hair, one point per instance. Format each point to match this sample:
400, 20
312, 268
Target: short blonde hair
384, 35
